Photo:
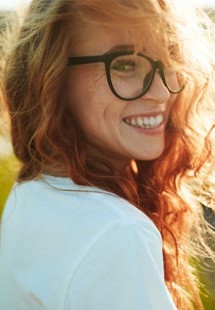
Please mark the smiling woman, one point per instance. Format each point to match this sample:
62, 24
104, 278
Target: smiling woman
112, 118
120, 131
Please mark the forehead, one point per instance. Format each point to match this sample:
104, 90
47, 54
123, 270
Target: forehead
90, 39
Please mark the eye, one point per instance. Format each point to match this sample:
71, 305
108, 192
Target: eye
124, 65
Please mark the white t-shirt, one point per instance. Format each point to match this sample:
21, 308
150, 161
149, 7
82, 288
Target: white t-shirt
70, 247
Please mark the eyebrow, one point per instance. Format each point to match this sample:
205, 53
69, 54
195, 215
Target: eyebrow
123, 47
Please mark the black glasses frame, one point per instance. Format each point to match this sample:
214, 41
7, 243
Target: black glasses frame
107, 58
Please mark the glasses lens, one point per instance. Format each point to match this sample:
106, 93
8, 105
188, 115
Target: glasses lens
174, 80
130, 75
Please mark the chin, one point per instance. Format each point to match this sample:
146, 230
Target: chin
150, 155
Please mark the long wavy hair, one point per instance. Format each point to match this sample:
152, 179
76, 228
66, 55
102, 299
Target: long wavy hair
47, 139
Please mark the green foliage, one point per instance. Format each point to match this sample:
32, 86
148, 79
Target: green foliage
8, 172
207, 287
207, 298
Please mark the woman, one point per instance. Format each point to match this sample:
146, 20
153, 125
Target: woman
108, 102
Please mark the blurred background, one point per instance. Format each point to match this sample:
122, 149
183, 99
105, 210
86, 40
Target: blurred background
9, 165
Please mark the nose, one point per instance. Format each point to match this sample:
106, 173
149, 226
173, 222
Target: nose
157, 92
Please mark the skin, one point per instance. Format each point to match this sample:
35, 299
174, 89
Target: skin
100, 113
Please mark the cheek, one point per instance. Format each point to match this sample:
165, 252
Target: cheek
78, 87
88, 95
172, 100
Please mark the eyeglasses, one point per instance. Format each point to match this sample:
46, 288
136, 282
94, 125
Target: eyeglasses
130, 75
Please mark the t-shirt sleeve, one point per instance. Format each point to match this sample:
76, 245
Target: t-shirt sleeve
123, 270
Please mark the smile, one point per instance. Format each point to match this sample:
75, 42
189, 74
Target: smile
144, 122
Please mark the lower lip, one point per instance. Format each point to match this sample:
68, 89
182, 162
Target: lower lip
150, 131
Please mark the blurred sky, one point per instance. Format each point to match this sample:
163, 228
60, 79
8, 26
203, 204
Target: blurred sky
10, 4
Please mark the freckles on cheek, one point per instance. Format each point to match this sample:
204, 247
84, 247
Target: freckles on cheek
97, 93
99, 88
92, 82
90, 97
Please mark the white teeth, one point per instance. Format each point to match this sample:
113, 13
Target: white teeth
159, 119
139, 121
133, 122
145, 122
152, 121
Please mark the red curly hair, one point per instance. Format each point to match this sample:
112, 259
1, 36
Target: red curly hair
47, 139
